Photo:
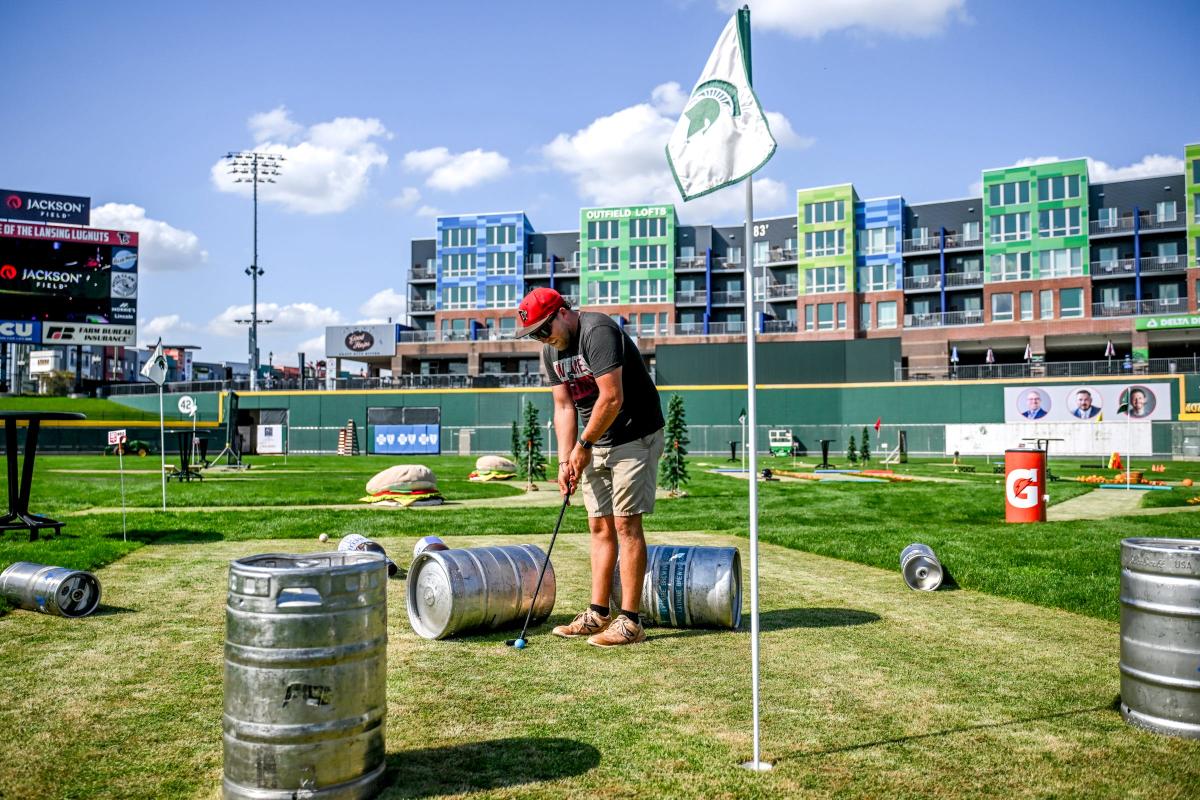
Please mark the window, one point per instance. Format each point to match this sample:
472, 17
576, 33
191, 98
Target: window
456, 264
687, 252
1070, 303
1046, 300
808, 318
603, 258
887, 314
970, 231
789, 245
825, 317
841, 316
458, 297
458, 237
1058, 222
1168, 252
606, 229
1061, 188
653, 290
864, 316
877, 241
508, 324
1106, 217
1011, 267
829, 211
733, 255
602, 293
645, 228
762, 253
1002, 307
825, 243
1011, 227
1108, 256
501, 296
920, 235
502, 234
502, 263
1061, 263
822, 280
1026, 305
1169, 292
1165, 211
1006, 194
875, 278
647, 256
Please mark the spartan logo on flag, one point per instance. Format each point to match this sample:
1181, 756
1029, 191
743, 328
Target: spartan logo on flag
707, 103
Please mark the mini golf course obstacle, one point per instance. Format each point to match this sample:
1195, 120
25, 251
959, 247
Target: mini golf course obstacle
358, 542
50, 590
347, 440
1160, 635
428, 543
688, 587
305, 676
477, 588
921, 568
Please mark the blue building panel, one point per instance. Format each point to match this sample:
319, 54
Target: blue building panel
478, 276
885, 212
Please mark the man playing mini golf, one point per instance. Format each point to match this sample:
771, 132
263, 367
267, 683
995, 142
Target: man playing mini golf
597, 371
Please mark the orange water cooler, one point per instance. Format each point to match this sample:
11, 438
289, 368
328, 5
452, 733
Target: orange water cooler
1024, 485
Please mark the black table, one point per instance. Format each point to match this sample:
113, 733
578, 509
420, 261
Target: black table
18, 516
825, 454
186, 471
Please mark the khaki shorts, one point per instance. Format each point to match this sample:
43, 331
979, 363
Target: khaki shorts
620, 480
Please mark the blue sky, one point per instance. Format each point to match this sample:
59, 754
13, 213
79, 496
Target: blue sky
390, 113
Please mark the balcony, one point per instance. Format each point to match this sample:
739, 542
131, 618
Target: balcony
570, 267
947, 319
1160, 264
1100, 227
1115, 268
922, 283
725, 265
726, 328
778, 256
781, 326
956, 241
406, 337
1051, 369
573, 299
694, 264
694, 298
1152, 222
419, 305
1133, 308
728, 298
534, 269
422, 274
963, 280
783, 291
927, 245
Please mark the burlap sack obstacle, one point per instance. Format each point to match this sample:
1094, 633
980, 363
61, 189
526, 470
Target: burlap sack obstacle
404, 485
493, 468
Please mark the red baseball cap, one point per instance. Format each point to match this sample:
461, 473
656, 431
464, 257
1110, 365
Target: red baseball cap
537, 307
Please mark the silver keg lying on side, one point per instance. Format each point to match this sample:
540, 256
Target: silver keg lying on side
689, 587
921, 568
50, 590
305, 676
477, 588
356, 541
1160, 635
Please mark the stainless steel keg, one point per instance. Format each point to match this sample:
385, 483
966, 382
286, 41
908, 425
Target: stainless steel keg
921, 568
305, 676
356, 541
477, 588
689, 587
50, 590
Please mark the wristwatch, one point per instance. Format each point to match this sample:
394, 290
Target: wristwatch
585, 444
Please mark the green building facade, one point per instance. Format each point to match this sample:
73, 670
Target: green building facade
627, 255
825, 238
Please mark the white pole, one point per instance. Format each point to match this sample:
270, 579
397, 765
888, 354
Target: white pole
1128, 435
121, 467
752, 425
162, 447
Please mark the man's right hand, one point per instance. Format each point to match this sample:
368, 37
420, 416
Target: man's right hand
566, 478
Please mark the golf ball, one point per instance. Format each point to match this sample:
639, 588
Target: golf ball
519, 644
324, 537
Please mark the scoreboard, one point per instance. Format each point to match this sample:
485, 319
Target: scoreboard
67, 285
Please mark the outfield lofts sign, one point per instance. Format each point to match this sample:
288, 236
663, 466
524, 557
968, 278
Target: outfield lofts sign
38, 207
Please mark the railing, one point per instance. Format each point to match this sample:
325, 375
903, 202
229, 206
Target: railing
783, 291
1099, 227
724, 264
689, 264
927, 244
696, 298
779, 255
1051, 369
1131, 308
958, 280
1116, 268
568, 268
943, 319
781, 326
957, 240
573, 299
922, 282
726, 328
1164, 264
728, 298
537, 268
422, 305
1152, 222
422, 274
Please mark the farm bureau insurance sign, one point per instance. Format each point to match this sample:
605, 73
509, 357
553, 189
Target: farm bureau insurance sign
37, 207
1167, 322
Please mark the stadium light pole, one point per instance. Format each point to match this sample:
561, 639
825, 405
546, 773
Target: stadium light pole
249, 166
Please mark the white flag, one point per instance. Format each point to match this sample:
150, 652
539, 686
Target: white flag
156, 365
1028, 351
722, 135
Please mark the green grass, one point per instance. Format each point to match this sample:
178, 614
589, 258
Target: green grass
94, 408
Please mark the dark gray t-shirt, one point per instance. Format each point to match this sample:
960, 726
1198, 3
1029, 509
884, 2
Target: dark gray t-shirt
600, 348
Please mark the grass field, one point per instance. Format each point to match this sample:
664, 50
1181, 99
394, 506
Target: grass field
1003, 687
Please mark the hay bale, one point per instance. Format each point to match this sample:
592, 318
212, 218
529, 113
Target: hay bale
402, 478
494, 464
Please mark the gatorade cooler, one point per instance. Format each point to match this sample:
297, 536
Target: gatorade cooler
1024, 485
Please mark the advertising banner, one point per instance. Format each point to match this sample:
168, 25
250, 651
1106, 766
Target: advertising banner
21, 331
352, 341
1167, 322
46, 207
407, 439
75, 333
270, 440
24, 230
1109, 402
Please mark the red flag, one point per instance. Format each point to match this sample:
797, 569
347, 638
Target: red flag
878, 423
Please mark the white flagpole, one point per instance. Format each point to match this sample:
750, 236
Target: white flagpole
121, 465
162, 447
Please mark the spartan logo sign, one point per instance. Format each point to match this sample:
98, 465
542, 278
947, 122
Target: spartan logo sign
706, 104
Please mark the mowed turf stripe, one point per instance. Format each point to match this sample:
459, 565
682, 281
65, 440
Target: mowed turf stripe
868, 689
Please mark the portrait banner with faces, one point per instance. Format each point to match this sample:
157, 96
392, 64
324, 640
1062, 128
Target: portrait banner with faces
1085, 402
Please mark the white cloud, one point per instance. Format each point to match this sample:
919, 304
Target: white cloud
383, 304
313, 349
165, 326
815, 18
161, 247
430, 211
454, 171
784, 135
325, 172
409, 196
669, 98
1103, 172
290, 318
619, 159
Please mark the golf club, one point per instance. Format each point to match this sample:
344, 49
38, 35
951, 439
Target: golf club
519, 642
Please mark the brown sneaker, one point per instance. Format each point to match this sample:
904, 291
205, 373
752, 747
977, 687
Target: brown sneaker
585, 624
623, 630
